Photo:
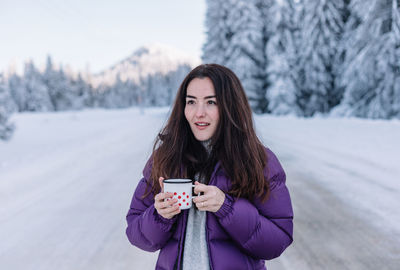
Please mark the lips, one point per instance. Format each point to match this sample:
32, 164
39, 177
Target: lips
201, 125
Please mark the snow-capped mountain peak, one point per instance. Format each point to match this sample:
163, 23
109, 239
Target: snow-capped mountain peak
145, 61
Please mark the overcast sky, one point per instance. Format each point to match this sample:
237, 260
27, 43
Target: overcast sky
95, 32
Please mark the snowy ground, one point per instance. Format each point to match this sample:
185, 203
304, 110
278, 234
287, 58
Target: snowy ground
66, 180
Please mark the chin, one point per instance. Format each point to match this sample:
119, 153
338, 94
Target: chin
202, 137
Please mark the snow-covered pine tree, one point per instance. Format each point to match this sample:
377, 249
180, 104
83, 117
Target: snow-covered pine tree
156, 94
79, 93
18, 93
396, 58
120, 94
133, 91
89, 101
343, 48
321, 31
64, 92
141, 97
51, 80
219, 32
100, 96
250, 21
387, 104
238, 32
6, 107
282, 55
372, 75
173, 81
87, 78
107, 96
354, 39
37, 94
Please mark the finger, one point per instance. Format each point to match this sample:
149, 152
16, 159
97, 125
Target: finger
169, 211
173, 213
164, 207
163, 195
160, 180
200, 188
164, 203
167, 204
202, 198
202, 206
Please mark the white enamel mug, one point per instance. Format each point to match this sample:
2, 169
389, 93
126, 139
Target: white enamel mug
182, 190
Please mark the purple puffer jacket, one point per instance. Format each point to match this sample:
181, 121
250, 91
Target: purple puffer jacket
240, 235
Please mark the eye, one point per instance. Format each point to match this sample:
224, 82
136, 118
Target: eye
190, 101
212, 102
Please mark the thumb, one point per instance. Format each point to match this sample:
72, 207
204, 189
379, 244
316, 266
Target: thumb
160, 180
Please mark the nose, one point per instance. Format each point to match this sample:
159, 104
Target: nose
200, 111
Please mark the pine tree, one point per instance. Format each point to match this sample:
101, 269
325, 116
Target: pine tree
372, 76
79, 93
51, 80
219, 32
344, 46
37, 93
119, 95
282, 55
238, 32
18, 93
155, 91
320, 35
395, 63
173, 81
6, 108
100, 96
62, 88
248, 59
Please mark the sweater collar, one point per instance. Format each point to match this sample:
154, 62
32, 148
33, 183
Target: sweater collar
207, 145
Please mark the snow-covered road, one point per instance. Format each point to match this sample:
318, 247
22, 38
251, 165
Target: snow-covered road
66, 181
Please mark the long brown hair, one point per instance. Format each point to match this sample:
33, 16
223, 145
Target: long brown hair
176, 152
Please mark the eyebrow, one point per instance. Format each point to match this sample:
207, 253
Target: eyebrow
207, 97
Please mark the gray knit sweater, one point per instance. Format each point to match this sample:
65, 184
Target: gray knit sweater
195, 252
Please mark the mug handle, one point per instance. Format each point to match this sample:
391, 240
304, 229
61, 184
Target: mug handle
193, 194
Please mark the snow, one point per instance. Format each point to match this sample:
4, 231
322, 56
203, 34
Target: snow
66, 179
356, 159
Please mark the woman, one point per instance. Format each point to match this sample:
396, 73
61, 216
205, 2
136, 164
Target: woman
243, 214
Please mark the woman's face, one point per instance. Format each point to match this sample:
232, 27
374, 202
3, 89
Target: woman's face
201, 109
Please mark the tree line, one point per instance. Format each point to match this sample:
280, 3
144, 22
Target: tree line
55, 89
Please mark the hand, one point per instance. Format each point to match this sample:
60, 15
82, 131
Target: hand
212, 199
166, 209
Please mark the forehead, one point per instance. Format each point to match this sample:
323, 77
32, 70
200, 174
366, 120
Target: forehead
200, 87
